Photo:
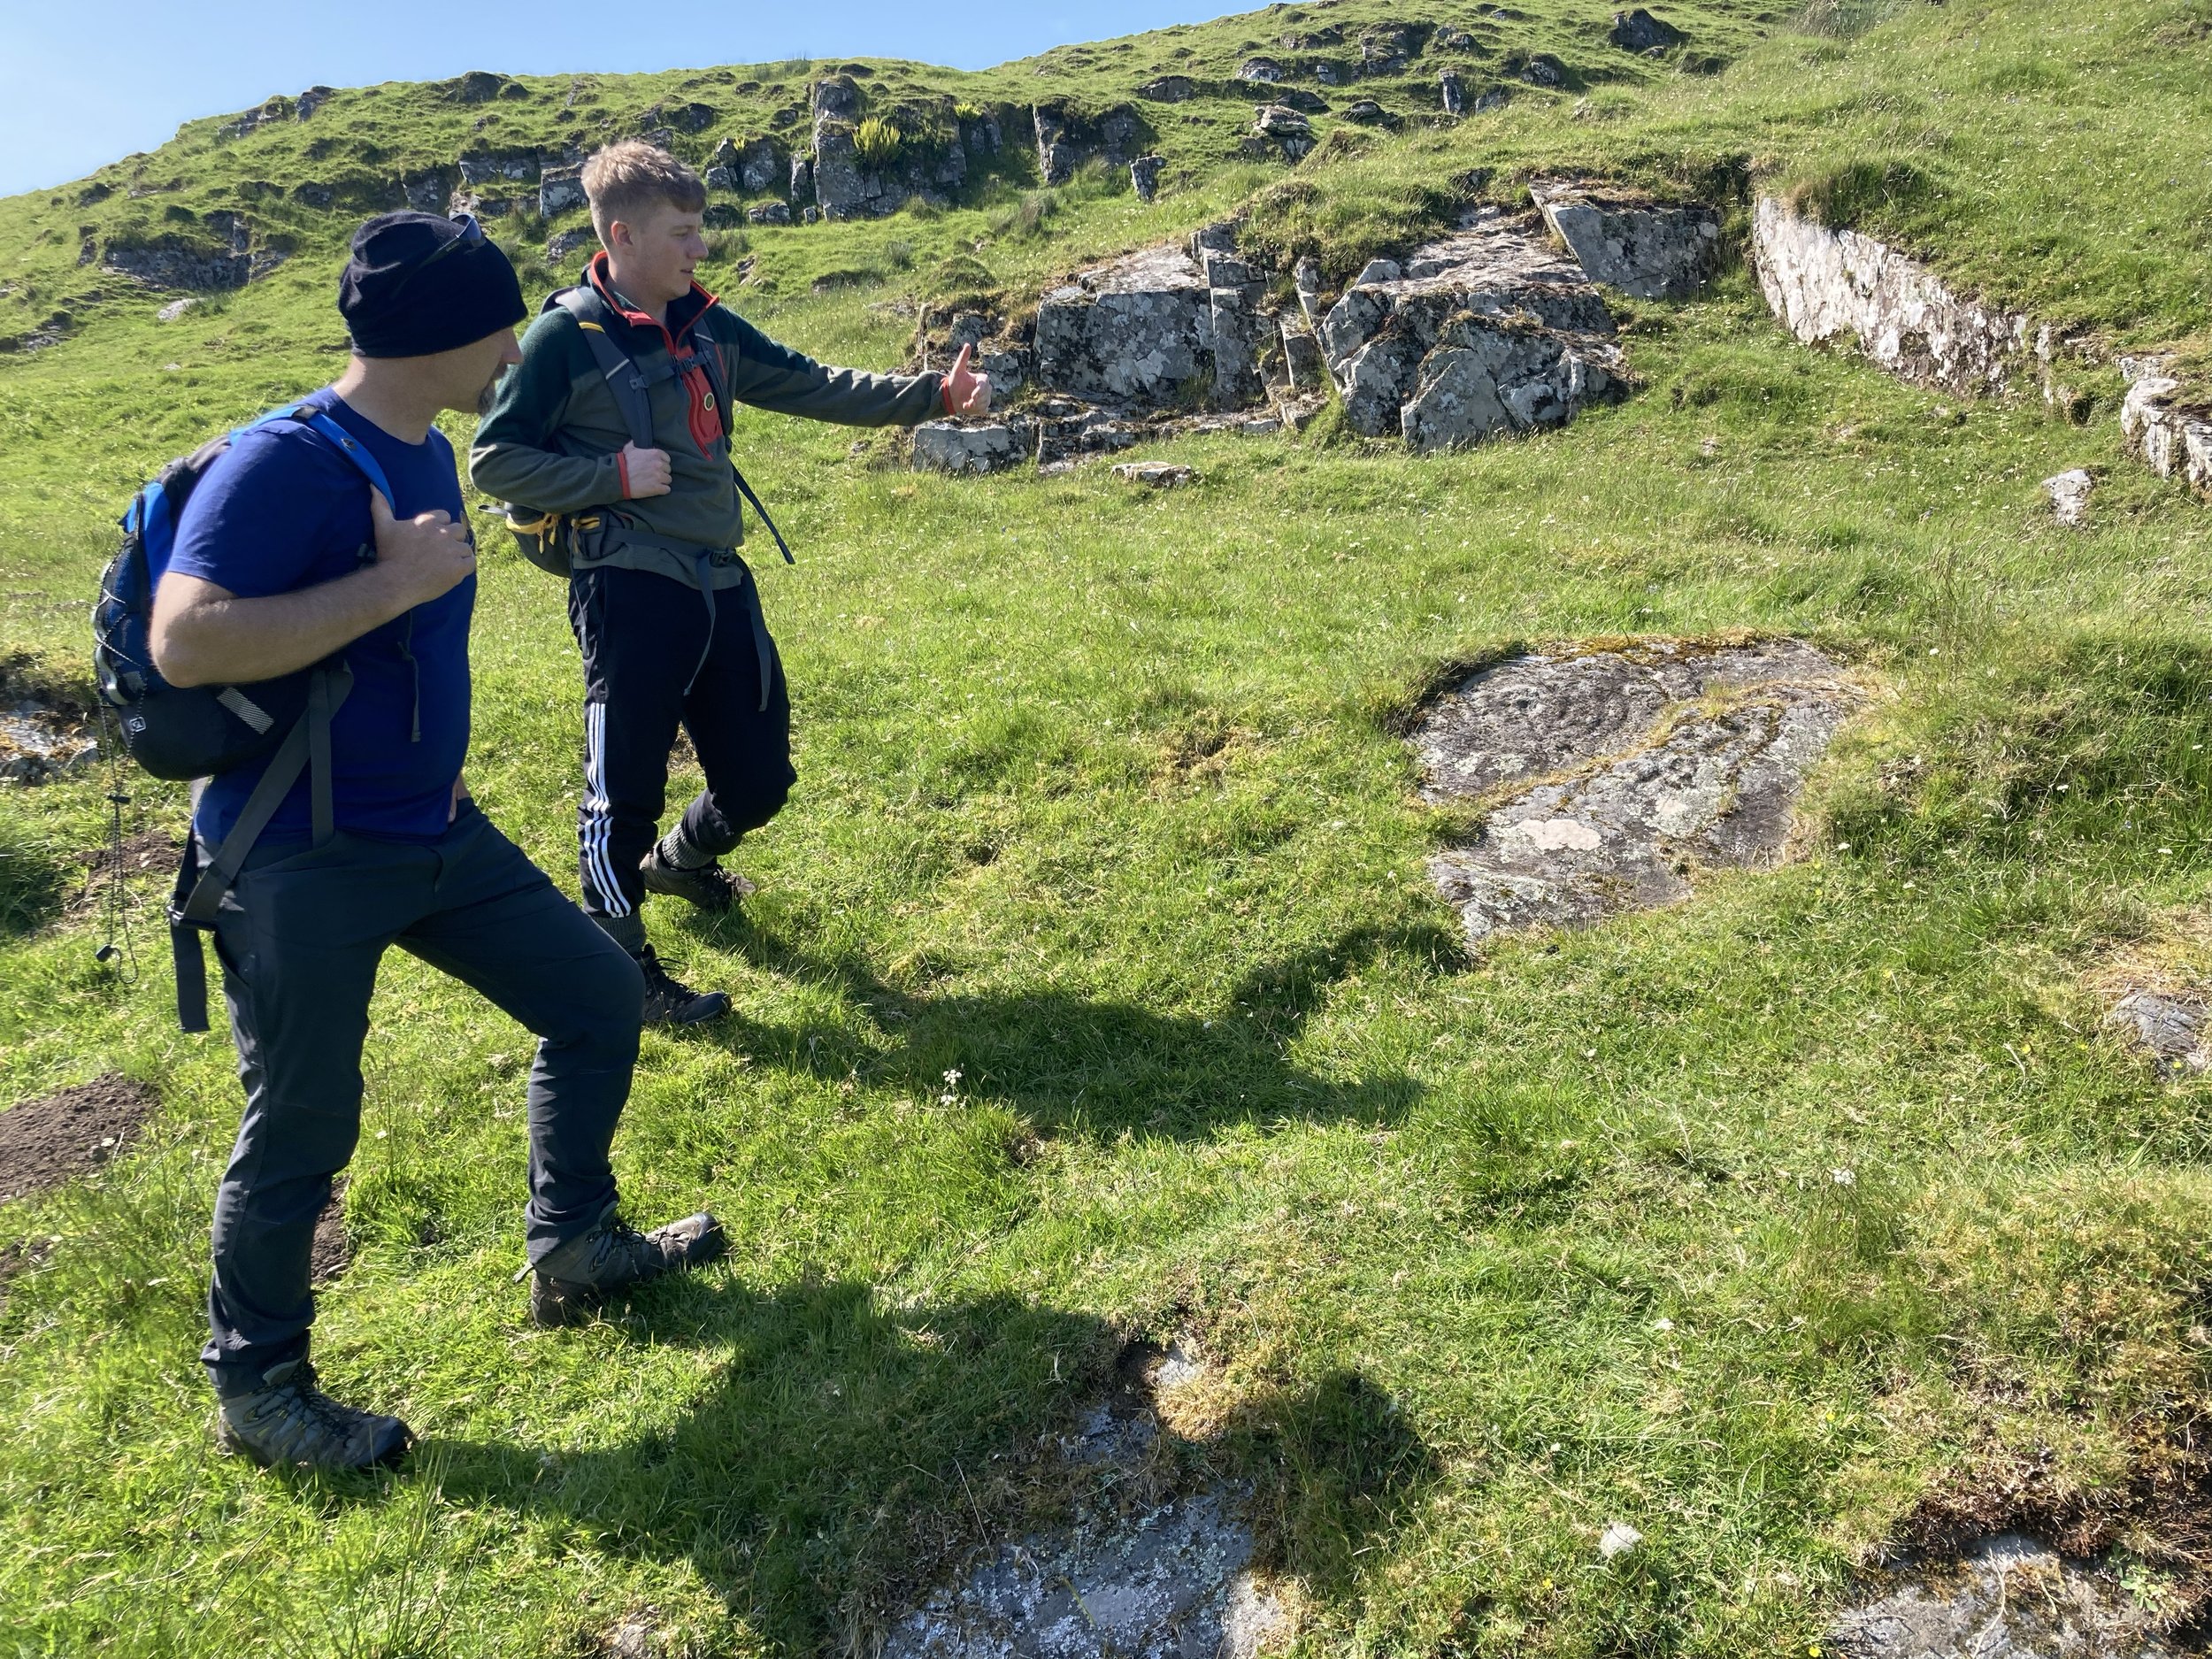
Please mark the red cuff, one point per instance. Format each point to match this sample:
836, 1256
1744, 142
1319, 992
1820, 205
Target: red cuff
622, 471
944, 392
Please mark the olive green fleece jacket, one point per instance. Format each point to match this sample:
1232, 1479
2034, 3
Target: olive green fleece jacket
553, 436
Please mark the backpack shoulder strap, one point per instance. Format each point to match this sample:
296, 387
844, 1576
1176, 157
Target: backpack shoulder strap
319, 422
592, 315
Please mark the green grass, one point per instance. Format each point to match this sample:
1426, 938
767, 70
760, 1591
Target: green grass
1096, 989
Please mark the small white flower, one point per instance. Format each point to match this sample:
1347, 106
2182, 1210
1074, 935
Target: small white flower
952, 1078
1663, 1325
1617, 1539
1843, 1178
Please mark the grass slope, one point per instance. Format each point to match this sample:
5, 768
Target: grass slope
1095, 987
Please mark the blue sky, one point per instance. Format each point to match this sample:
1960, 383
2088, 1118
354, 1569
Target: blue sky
78, 89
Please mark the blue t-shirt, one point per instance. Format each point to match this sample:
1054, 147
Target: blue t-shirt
283, 511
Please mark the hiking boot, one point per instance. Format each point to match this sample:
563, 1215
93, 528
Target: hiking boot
573, 1279
669, 1001
709, 886
289, 1420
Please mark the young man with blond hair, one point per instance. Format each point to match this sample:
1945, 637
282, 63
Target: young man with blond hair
665, 611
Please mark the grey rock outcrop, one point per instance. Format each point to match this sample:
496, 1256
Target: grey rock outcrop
564, 245
2069, 492
954, 446
1638, 31
1138, 330
1612, 776
843, 185
1169, 89
312, 100
2009, 1597
2170, 430
1265, 70
560, 191
1066, 140
1543, 70
427, 192
1648, 249
769, 213
1156, 475
2166, 1024
498, 167
1367, 112
231, 260
1830, 285
480, 86
1453, 96
1144, 176
1284, 128
1486, 333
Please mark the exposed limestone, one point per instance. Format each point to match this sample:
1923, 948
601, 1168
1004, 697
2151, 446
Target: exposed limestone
175, 309
955, 446
842, 186
1367, 112
1827, 285
2168, 1024
480, 86
1169, 1578
1157, 474
1265, 70
312, 100
560, 191
1519, 336
560, 247
495, 167
1387, 48
1639, 31
1066, 140
2169, 429
1302, 363
1648, 249
1542, 70
1138, 330
1613, 776
2069, 493
2009, 1597
1169, 89
1144, 176
1453, 96
174, 261
1284, 128
769, 213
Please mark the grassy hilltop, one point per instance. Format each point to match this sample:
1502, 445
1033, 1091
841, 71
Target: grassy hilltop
1096, 989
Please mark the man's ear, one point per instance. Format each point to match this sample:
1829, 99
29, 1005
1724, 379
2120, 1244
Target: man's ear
618, 235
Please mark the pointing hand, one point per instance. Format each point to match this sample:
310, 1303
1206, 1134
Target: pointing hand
966, 392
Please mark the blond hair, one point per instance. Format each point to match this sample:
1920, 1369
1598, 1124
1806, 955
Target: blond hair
631, 176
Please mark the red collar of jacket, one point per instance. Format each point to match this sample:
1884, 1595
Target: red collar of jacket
683, 314
703, 420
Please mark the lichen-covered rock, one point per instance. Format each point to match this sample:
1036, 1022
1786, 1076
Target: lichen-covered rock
1156, 474
1066, 140
1453, 96
1828, 285
1239, 333
560, 189
1638, 31
1169, 89
1649, 250
496, 167
2069, 492
427, 192
1265, 70
1521, 338
1302, 357
952, 446
177, 261
559, 248
2008, 1597
769, 213
312, 100
1612, 776
2172, 432
1138, 330
1367, 112
1144, 176
1542, 70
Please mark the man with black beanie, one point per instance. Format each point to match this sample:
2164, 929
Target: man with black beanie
285, 559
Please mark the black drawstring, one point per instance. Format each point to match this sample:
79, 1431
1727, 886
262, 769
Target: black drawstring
407, 639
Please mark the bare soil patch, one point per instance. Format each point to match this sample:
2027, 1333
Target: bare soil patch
44, 1142
149, 852
334, 1248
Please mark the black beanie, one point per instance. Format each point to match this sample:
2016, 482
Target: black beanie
407, 291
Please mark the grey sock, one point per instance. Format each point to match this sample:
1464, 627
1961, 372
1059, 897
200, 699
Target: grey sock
678, 852
627, 931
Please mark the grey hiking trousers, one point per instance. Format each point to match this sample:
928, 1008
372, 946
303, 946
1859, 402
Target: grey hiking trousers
299, 936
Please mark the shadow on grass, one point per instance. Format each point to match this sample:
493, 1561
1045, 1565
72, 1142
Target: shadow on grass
849, 1453
1069, 1063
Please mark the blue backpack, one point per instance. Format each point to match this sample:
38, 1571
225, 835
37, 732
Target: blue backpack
195, 732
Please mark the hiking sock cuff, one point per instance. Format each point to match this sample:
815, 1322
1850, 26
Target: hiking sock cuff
677, 851
627, 931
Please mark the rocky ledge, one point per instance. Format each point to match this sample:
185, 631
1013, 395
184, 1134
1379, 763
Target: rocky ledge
1486, 332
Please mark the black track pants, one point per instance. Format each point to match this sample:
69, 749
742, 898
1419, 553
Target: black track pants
299, 936
652, 660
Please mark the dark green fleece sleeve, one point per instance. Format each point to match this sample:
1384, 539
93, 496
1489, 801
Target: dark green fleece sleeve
774, 377
518, 456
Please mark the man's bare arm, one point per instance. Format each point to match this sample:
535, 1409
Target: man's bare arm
203, 633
